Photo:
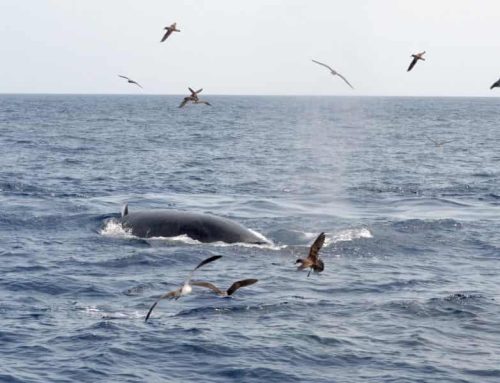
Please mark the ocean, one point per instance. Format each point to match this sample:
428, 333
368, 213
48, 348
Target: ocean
410, 290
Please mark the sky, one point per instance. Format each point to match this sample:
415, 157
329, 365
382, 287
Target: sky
253, 47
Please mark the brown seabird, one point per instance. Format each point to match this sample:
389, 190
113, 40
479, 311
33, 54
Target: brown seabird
416, 57
169, 30
185, 289
312, 261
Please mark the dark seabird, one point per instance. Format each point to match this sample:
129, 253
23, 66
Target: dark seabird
193, 98
439, 143
334, 73
230, 291
312, 261
495, 85
130, 81
169, 30
416, 57
185, 289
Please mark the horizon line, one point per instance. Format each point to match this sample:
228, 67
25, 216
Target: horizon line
237, 95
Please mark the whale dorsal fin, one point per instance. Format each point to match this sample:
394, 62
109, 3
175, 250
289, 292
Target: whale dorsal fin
125, 210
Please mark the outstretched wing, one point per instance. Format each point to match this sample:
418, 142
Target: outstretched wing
208, 285
430, 139
136, 83
165, 36
236, 285
343, 78
125, 77
208, 260
170, 294
497, 84
315, 247
184, 102
326, 66
412, 64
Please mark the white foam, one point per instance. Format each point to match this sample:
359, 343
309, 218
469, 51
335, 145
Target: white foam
342, 236
113, 228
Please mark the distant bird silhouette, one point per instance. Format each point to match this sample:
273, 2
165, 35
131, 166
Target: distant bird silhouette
495, 85
439, 143
185, 289
312, 261
230, 291
416, 57
169, 30
193, 98
130, 81
333, 72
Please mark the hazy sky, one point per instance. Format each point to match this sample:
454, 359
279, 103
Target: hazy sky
250, 47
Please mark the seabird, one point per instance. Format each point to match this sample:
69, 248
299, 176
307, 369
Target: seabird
185, 289
312, 261
334, 72
495, 85
439, 143
193, 98
169, 30
130, 81
230, 291
416, 57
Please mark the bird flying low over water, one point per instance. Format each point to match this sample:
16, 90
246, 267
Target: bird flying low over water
312, 261
333, 72
439, 143
185, 289
193, 98
130, 81
230, 291
416, 57
169, 30
495, 85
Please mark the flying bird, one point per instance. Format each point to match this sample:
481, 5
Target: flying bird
439, 143
130, 81
495, 85
185, 289
333, 72
169, 30
416, 57
193, 98
312, 261
230, 291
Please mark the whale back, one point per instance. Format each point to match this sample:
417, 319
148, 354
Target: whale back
201, 227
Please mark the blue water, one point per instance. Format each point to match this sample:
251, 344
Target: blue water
410, 291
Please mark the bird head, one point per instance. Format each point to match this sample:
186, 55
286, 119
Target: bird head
299, 261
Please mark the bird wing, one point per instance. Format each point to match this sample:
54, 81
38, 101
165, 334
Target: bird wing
202, 263
170, 294
236, 285
434, 141
125, 77
184, 102
208, 260
495, 84
168, 33
208, 285
192, 91
136, 83
343, 78
316, 246
446, 142
412, 64
326, 66
198, 91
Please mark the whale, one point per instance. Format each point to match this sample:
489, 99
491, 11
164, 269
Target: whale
204, 228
